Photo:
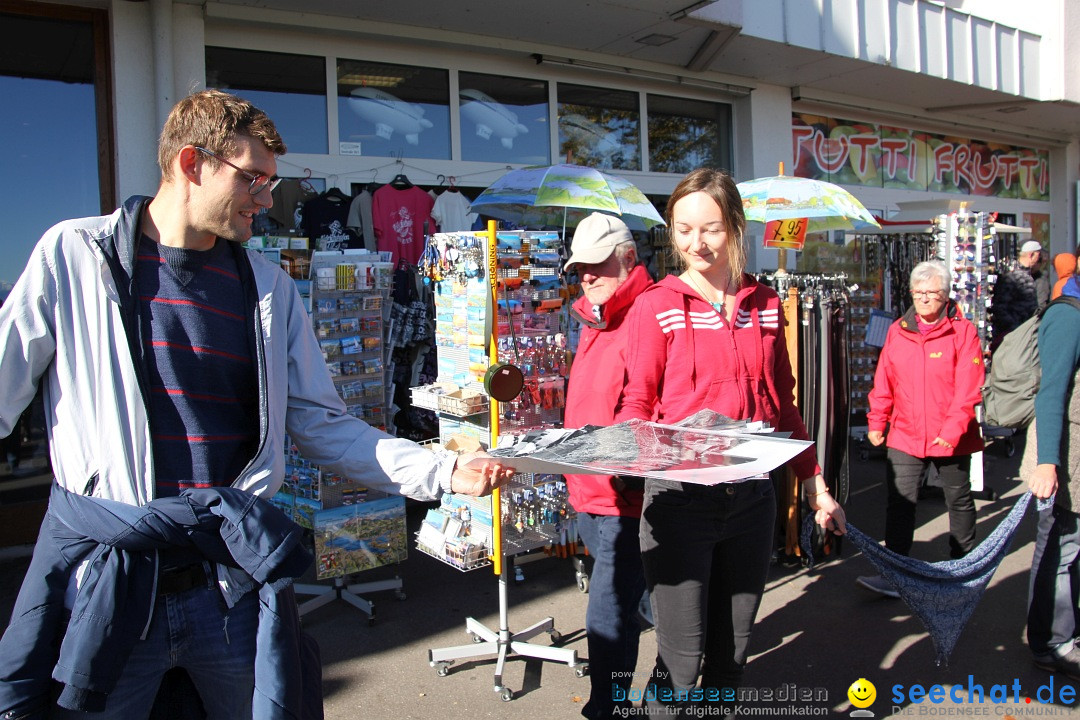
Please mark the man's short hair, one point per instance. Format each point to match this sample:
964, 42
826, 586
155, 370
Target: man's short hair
213, 119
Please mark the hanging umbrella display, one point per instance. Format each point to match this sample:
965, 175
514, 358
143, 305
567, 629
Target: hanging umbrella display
823, 205
553, 195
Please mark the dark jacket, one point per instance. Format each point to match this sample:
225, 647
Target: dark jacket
115, 599
1018, 294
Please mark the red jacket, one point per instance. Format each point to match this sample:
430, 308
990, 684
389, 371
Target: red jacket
740, 370
927, 386
596, 381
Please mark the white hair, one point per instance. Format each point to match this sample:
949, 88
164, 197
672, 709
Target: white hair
931, 270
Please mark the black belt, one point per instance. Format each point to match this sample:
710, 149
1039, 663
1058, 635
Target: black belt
172, 581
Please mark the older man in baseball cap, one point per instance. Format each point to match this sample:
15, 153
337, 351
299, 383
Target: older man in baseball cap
604, 256
1021, 292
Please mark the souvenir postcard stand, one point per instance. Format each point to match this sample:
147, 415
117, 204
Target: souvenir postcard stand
476, 302
355, 528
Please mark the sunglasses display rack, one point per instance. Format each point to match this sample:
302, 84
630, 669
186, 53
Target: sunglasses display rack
968, 246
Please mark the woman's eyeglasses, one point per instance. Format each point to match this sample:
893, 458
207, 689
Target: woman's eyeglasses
259, 182
926, 294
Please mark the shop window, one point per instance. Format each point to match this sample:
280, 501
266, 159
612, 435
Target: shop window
599, 128
291, 89
504, 120
688, 134
54, 135
389, 110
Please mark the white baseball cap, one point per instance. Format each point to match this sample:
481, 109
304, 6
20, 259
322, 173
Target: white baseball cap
1031, 246
595, 239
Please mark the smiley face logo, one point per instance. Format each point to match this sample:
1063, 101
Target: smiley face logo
862, 693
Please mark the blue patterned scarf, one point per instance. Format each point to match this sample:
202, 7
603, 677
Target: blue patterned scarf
942, 594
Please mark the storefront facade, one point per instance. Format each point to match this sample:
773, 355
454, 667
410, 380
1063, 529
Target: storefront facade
648, 96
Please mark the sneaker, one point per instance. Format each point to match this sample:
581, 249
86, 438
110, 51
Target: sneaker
878, 584
1068, 664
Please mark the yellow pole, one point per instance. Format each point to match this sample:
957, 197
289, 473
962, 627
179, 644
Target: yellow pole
493, 404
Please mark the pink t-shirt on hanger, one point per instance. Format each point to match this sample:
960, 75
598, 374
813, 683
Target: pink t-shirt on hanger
399, 217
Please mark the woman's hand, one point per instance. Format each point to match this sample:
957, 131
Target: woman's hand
477, 477
942, 443
1043, 482
827, 512
876, 437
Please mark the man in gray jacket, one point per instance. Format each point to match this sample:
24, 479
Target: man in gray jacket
173, 360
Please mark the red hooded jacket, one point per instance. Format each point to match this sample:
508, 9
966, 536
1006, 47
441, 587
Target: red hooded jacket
596, 381
686, 357
927, 386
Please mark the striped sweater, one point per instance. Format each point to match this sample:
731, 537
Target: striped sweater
685, 357
200, 366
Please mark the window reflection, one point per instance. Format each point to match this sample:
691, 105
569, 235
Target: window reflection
389, 110
504, 119
687, 134
599, 128
50, 132
291, 89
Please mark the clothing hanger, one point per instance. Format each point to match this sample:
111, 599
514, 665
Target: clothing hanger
305, 184
335, 193
401, 182
453, 185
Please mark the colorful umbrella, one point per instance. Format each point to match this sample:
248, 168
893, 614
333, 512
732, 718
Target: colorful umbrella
824, 205
564, 194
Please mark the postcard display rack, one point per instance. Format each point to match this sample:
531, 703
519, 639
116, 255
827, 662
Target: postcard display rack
519, 274
355, 528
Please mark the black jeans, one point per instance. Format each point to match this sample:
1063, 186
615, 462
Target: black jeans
706, 553
903, 474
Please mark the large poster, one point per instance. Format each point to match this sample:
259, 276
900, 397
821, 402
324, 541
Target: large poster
361, 536
849, 152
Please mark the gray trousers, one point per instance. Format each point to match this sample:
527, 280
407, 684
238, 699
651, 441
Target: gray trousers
1052, 620
706, 553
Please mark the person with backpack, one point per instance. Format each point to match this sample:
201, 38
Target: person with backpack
1050, 466
926, 387
1021, 292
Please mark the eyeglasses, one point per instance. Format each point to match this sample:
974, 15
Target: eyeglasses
926, 293
259, 182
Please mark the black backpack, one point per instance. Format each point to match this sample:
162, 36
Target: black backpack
1015, 373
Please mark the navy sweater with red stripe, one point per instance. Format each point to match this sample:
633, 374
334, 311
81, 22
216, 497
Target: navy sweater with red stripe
202, 384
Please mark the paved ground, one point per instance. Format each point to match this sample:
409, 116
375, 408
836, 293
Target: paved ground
816, 632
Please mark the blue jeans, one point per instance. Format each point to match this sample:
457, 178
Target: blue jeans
1052, 620
616, 595
195, 631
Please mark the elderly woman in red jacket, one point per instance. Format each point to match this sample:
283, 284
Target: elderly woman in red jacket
926, 387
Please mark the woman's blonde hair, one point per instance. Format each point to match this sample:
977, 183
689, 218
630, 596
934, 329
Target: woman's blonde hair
718, 185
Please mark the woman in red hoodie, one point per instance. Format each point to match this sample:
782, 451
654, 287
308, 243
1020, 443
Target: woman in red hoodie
711, 338
926, 387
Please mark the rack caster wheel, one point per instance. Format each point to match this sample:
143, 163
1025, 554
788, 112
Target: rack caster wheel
506, 694
583, 583
442, 669
476, 638
581, 670
400, 595
556, 637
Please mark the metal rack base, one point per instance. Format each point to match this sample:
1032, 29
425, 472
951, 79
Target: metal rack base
324, 594
505, 644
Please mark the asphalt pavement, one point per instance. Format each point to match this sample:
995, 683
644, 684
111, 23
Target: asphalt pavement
817, 633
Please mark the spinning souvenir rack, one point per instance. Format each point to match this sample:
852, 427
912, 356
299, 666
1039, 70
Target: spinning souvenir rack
355, 529
969, 248
500, 334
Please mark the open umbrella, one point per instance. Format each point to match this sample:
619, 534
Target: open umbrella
824, 205
564, 194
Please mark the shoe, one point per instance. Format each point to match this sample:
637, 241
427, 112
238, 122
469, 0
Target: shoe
878, 584
1068, 664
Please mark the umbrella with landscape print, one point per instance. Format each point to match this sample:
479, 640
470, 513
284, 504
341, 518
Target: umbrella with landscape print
554, 195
